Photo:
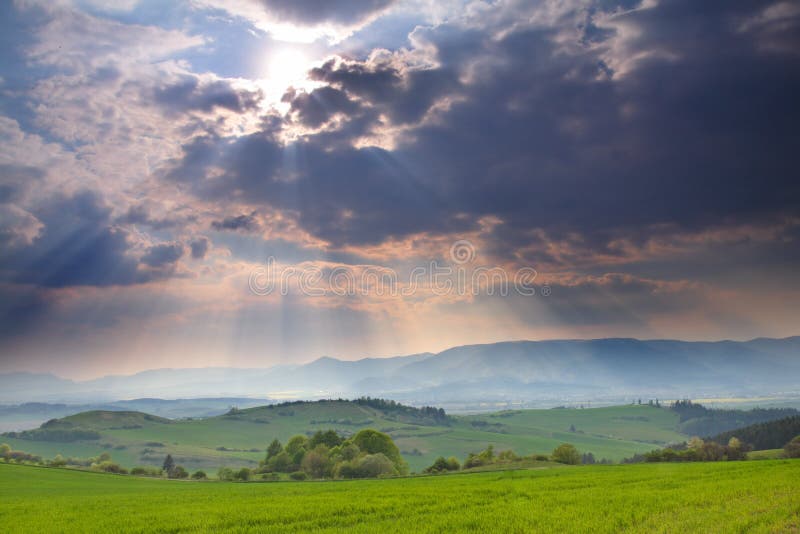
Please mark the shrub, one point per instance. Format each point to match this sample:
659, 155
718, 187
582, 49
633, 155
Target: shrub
298, 475
199, 475
566, 453
146, 471
792, 449
242, 474
179, 472
225, 473
440, 465
108, 466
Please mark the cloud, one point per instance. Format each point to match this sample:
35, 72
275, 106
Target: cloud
200, 247
304, 20
190, 93
245, 223
162, 255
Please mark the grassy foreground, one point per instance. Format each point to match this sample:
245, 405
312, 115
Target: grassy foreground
699, 497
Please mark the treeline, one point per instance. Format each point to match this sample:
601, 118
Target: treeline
697, 420
61, 435
566, 453
367, 454
695, 450
761, 436
420, 415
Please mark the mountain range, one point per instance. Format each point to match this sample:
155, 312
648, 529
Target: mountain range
523, 371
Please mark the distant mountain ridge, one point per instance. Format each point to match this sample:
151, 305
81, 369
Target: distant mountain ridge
612, 368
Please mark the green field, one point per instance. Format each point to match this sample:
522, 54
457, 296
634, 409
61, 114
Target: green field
613, 433
693, 497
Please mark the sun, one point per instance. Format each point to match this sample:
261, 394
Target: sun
286, 67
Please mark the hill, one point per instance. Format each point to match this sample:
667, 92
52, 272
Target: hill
764, 436
700, 497
544, 372
240, 437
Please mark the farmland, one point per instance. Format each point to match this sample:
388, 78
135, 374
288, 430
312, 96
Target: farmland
239, 439
710, 497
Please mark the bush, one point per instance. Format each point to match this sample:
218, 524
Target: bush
109, 467
226, 473
179, 472
566, 453
298, 475
242, 474
792, 449
199, 475
440, 465
146, 471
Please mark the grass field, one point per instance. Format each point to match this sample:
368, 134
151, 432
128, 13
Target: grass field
613, 432
697, 497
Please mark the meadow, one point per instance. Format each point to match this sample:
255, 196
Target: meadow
694, 497
240, 439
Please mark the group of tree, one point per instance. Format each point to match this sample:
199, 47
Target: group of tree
326, 454
761, 436
566, 453
697, 420
695, 450
402, 412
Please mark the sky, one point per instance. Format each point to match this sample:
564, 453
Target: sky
259, 182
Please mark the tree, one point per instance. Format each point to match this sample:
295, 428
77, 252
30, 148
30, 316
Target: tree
178, 472
199, 475
280, 463
735, 449
169, 465
5, 448
316, 462
374, 442
792, 449
242, 474
296, 443
329, 438
566, 453
274, 448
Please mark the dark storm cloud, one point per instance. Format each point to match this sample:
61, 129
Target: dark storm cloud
200, 247
190, 93
345, 12
78, 246
320, 105
699, 128
16, 180
245, 223
162, 255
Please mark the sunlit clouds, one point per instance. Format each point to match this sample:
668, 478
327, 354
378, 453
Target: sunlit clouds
639, 157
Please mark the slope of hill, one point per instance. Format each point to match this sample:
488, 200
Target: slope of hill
241, 436
609, 370
764, 436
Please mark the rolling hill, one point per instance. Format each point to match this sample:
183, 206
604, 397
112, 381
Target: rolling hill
241, 436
